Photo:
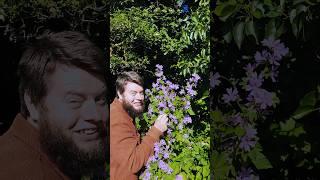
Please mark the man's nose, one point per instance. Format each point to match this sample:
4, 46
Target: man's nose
90, 111
139, 96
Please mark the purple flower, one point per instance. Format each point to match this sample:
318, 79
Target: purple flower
147, 176
274, 73
232, 95
261, 97
179, 177
187, 120
255, 81
173, 118
159, 70
190, 91
237, 119
159, 67
156, 147
245, 174
165, 167
249, 68
214, 79
166, 155
249, 139
195, 78
278, 48
153, 159
261, 57
162, 104
187, 106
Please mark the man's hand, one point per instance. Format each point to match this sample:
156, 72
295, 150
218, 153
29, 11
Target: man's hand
161, 123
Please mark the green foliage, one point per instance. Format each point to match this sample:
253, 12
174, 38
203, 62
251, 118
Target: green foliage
142, 36
261, 19
23, 20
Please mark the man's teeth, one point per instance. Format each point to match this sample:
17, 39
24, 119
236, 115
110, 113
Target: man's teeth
88, 131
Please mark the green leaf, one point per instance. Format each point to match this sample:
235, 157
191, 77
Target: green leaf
220, 165
297, 131
199, 176
270, 29
301, 8
238, 33
239, 131
206, 170
292, 15
297, 1
216, 116
306, 105
190, 111
288, 125
251, 30
309, 99
227, 37
226, 9
259, 159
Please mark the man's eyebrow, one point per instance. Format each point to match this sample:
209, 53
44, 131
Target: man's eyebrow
74, 93
103, 93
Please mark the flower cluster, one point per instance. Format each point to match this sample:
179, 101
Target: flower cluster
250, 97
173, 100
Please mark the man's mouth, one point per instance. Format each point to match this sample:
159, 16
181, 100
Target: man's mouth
138, 103
88, 131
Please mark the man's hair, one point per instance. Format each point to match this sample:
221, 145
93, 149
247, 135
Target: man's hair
41, 57
125, 77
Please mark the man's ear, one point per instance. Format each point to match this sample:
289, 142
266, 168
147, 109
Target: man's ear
120, 97
34, 113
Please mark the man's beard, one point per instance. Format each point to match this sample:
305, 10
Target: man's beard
71, 160
131, 110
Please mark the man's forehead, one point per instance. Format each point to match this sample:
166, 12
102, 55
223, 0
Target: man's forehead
75, 79
133, 86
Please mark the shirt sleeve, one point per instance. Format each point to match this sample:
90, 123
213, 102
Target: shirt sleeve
128, 151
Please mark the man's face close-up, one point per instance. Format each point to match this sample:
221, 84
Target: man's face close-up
73, 118
133, 98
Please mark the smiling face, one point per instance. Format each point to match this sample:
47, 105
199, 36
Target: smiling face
72, 118
132, 98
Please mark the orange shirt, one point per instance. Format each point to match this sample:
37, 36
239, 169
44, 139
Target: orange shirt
21, 157
128, 155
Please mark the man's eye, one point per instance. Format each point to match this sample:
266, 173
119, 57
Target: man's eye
102, 100
75, 102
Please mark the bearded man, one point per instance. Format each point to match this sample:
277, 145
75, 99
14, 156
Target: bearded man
61, 130
129, 154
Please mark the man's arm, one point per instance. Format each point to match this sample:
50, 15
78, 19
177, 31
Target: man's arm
127, 151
